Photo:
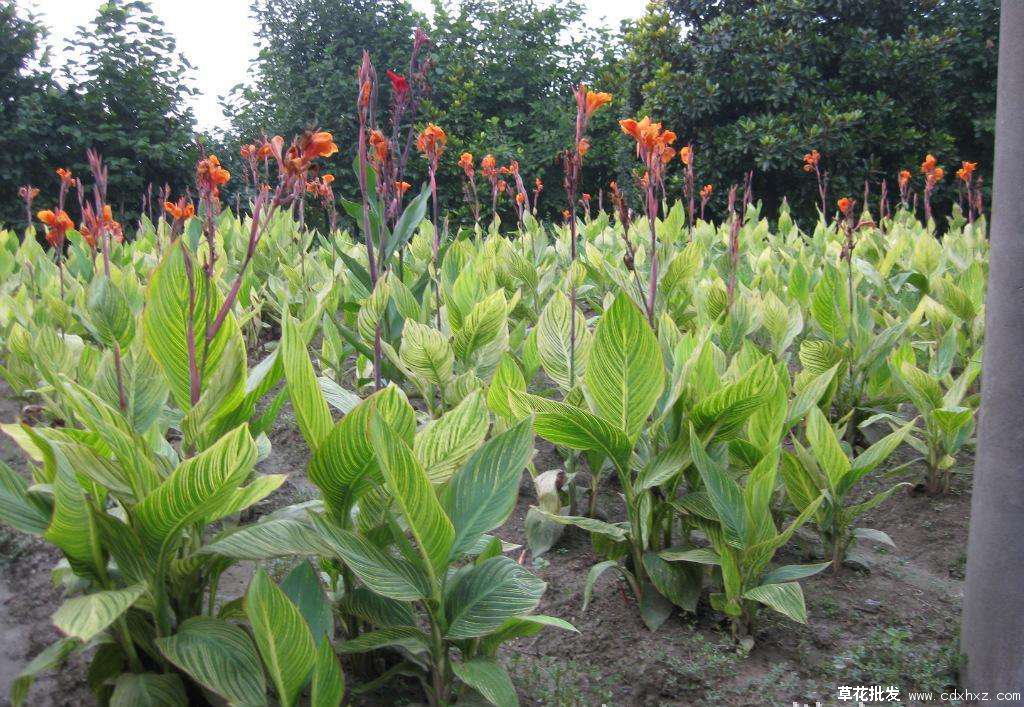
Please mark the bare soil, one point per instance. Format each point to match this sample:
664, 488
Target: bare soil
895, 624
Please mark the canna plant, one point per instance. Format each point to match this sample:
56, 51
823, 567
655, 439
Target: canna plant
823, 475
946, 409
743, 539
403, 532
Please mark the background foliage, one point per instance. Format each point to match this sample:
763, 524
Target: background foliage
753, 83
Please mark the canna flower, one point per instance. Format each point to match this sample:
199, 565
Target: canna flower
904, 178
845, 206
583, 146
466, 162
520, 198
431, 142
705, 192
380, 145
317, 144
401, 188
586, 198
565, 214
592, 100
488, 166
538, 185
966, 171
502, 186
686, 155
179, 211
929, 164
399, 85
938, 173
28, 193
68, 180
649, 136
209, 175
57, 223
811, 160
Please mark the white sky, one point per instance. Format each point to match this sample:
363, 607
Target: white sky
217, 37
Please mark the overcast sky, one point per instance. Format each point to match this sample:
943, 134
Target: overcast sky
217, 37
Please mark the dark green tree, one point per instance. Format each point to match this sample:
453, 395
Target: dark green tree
30, 113
305, 73
506, 70
873, 85
132, 89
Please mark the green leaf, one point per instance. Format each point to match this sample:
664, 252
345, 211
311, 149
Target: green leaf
408, 637
109, 313
51, 657
282, 636
410, 486
302, 586
700, 555
328, 685
871, 457
827, 450
483, 597
311, 411
625, 374
486, 676
786, 598
507, 376
483, 493
20, 510
554, 342
792, 573
343, 465
481, 326
220, 656
381, 572
723, 491
277, 537
148, 690
680, 584
197, 488
87, 616
164, 325
427, 353
575, 428
444, 444
591, 525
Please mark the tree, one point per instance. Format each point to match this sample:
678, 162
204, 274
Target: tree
305, 73
506, 70
873, 85
993, 619
30, 104
133, 89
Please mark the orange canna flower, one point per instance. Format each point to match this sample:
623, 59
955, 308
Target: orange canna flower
58, 223
502, 186
929, 164
487, 166
938, 173
318, 144
520, 198
565, 214
402, 187
209, 175
538, 184
583, 146
811, 160
87, 235
705, 191
65, 177
381, 146
431, 142
845, 206
179, 211
594, 100
586, 197
328, 178
966, 171
466, 162
28, 193
686, 155
904, 177
649, 136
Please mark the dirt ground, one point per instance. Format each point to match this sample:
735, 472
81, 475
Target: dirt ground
895, 624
